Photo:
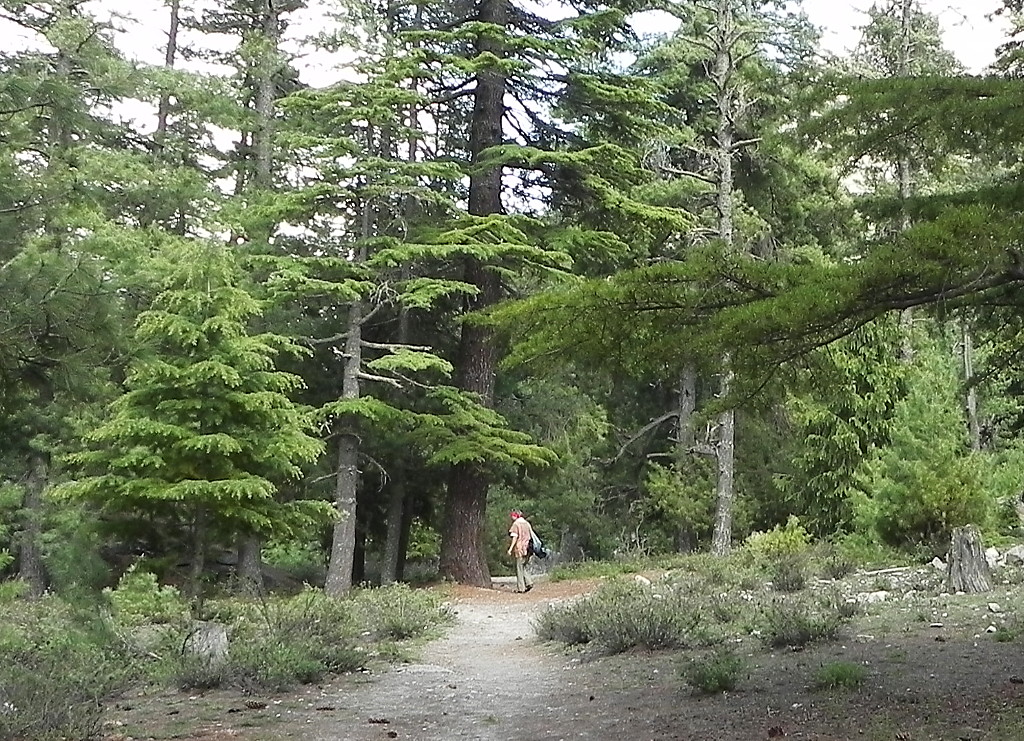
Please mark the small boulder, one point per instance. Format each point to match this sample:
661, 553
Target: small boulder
871, 598
992, 556
1014, 556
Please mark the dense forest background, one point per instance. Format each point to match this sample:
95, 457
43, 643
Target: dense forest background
658, 291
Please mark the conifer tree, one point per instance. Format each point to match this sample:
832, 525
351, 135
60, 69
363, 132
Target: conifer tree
206, 433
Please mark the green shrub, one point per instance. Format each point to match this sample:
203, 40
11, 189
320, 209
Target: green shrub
796, 625
56, 666
622, 615
837, 565
398, 612
286, 641
779, 541
718, 672
303, 560
568, 624
279, 665
789, 573
138, 599
840, 675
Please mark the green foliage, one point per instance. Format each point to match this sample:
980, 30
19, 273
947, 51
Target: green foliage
789, 573
139, 599
797, 624
837, 564
301, 557
622, 615
57, 665
836, 675
206, 432
788, 540
718, 672
926, 482
399, 612
680, 499
286, 641
844, 413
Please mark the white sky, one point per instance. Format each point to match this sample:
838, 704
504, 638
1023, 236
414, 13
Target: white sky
970, 31
969, 27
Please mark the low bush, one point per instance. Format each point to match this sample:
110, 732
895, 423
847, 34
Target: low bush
718, 672
798, 624
789, 573
56, 666
623, 615
568, 624
779, 541
837, 565
840, 675
399, 612
282, 642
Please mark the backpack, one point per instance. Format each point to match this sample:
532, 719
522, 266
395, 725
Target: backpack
536, 548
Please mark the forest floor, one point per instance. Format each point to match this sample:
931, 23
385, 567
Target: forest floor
932, 674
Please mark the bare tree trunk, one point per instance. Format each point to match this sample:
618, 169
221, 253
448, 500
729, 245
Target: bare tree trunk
686, 437
396, 506
194, 587
905, 179
462, 553
343, 539
269, 65
971, 395
723, 75
721, 538
30, 567
170, 56
250, 566
968, 568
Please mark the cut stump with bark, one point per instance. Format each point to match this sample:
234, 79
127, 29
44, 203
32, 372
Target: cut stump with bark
968, 568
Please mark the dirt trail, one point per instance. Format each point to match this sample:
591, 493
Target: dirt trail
488, 676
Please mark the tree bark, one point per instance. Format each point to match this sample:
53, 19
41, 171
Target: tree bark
170, 56
343, 540
30, 567
723, 75
905, 179
194, 587
725, 456
462, 552
250, 566
971, 394
968, 568
392, 541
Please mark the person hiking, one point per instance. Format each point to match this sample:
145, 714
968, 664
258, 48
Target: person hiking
520, 534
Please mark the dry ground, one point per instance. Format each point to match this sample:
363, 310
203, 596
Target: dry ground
490, 679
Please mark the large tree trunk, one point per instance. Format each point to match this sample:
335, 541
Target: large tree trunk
250, 566
200, 532
462, 553
31, 569
393, 537
971, 395
724, 75
968, 568
721, 538
905, 178
343, 540
403, 542
170, 55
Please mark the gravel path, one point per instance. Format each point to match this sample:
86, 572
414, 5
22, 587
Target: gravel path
488, 676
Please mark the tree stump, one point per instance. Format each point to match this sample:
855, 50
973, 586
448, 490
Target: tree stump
968, 567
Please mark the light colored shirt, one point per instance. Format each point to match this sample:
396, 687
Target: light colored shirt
522, 533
